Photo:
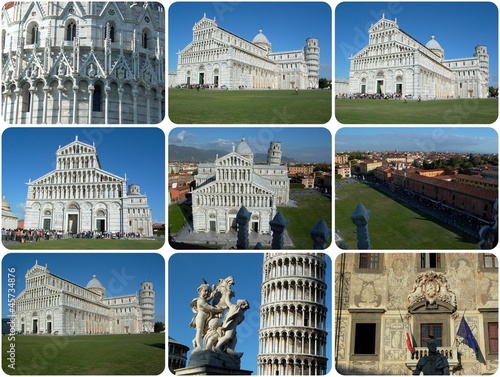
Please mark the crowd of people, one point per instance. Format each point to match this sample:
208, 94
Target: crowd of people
36, 235
395, 96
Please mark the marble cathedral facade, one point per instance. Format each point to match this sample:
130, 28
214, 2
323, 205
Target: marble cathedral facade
218, 57
50, 304
233, 181
378, 295
293, 331
393, 62
80, 196
83, 62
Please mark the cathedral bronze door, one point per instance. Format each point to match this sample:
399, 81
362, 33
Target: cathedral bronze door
35, 326
46, 224
212, 225
380, 86
201, 79
49, 327
101, 225
216, 81
399, 88
72, 224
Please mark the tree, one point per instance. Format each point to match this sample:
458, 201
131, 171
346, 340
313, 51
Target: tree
159, 326
323, 83
493, 91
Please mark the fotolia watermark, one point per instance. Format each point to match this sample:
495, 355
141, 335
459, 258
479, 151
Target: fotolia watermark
360, 35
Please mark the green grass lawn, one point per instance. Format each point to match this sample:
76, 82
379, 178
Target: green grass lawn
393, 225
186, 106
86, 355
460, 111
311, 208
175, 218
89, 244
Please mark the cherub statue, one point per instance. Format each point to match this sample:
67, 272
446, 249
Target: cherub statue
203, 311
234, 317
213, 334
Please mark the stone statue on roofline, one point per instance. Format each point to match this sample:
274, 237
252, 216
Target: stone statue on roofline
216, 319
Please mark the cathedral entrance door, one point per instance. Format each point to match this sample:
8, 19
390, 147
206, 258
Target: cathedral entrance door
399, 88
22, 328
35, 326
46, 224
363, 88
216, 81
201, 79
380, 86
255, 226
72, 224
212, 225
49, 327
100, 225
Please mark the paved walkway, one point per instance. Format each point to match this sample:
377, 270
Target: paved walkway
227, 240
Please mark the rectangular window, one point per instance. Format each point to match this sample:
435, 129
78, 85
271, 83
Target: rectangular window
369, 260
431, 329
493, 337
490, 261
430, 260
364, 341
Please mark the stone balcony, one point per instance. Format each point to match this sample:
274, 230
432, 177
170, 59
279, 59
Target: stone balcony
451, 354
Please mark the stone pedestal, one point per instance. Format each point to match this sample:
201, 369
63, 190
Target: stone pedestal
208, 362
208, 370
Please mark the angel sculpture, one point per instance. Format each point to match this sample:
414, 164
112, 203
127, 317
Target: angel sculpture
203, 312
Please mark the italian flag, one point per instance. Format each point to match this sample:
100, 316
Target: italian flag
409, 342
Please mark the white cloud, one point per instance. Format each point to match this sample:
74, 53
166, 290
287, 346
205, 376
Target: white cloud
181, 137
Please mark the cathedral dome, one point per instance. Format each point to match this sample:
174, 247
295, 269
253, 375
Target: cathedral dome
94, 283
5, 204
260, 38
243, 148
433, 44
262, 41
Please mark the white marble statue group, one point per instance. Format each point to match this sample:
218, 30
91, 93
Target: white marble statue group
214, 330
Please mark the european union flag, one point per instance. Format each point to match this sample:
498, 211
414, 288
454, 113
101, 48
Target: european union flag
465, 332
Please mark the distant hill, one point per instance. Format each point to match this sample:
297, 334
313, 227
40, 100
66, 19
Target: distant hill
190, 154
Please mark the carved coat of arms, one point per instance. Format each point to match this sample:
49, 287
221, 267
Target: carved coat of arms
431, 286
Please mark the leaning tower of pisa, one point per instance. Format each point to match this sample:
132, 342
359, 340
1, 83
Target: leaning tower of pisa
292, 335
311, 54
147, 303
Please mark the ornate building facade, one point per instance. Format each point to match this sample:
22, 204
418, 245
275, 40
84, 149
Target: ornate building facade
292, 335
218, 57
9, 221
380, 295
80, 196
83, 62
394, 62
233, 181
50, 304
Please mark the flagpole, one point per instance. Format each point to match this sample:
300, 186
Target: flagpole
457, 329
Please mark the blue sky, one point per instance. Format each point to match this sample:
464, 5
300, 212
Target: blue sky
119, 273
311, 144
285, 24
457, 26
185, 274
425, 139
29, 153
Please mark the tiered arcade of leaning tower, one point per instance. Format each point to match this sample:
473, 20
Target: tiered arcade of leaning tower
147, 302
292, 335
